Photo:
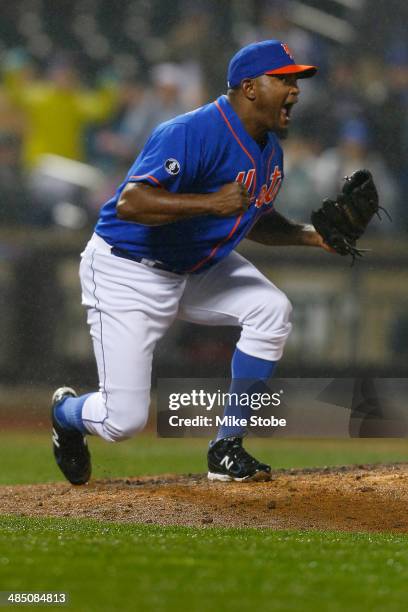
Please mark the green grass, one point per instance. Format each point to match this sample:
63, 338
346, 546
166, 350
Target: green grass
108, 566
27, 457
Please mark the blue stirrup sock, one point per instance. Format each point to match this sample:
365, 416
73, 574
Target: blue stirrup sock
246, 372
68, 413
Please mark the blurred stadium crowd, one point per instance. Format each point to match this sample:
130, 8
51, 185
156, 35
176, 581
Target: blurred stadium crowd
85, 81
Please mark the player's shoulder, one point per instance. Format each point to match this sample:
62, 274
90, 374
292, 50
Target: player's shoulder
195, 121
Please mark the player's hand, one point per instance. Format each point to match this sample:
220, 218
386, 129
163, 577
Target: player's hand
312, 238
231, 200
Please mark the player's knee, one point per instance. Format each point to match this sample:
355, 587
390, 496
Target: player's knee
273, 313
279, 326
284, 308
267, 328
118, 429
127, 413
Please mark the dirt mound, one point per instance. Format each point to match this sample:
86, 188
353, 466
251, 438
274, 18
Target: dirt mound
357, 498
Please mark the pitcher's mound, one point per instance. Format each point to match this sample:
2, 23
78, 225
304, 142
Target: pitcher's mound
356, 498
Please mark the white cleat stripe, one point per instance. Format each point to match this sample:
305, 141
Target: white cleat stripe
55, 438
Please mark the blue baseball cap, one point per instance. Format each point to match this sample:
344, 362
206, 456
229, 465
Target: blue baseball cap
266, 57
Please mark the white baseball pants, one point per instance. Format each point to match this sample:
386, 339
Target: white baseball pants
130, 306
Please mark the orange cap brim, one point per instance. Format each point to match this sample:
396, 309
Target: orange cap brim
303, 72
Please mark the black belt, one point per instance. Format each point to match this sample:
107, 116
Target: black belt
150, 263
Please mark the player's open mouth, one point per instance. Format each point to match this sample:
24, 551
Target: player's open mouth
285, 111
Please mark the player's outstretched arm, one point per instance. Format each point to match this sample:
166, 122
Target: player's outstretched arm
276, 230
142, 203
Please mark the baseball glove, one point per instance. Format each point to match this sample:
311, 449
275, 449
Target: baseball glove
343, 221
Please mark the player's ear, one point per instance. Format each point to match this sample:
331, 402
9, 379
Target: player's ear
248, 88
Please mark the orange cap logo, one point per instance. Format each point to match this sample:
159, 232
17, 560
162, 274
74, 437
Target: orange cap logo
288, 51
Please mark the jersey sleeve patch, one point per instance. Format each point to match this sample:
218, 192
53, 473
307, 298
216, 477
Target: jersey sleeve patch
172, 166
169, 159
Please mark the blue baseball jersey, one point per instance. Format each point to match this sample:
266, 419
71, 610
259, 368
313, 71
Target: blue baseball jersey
197, 152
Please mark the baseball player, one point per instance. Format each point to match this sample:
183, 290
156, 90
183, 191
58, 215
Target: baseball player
163, 248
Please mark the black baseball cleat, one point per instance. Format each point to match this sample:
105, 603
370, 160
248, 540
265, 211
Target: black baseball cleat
70, 447
228, 460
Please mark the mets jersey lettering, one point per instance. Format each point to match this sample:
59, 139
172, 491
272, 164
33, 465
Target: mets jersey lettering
246, 178
198, 152
267, 193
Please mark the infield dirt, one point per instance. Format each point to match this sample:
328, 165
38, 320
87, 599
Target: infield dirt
356, 498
